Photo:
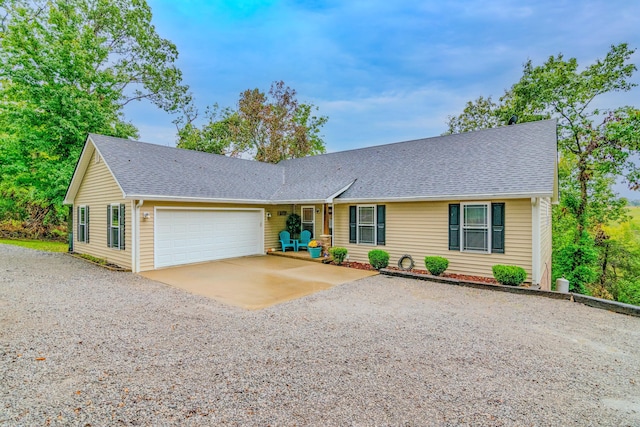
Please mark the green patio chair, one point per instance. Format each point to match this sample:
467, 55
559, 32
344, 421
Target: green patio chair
287, 242
305, 238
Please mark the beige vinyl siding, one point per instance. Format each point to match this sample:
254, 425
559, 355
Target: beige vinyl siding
545, 243
422, 228
97, 190
272, 226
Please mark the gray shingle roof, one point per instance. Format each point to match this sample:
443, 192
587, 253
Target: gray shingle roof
145, 169
511, 160
517, 159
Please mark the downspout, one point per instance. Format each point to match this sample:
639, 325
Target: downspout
136, 246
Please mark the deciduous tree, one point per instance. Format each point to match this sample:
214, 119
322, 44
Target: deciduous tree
267, 127
67, 68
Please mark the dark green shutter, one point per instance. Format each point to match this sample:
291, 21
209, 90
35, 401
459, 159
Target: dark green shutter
497, 228
352, 224
454, 227
86, 224
109, 226
381, 217
79, 239
123, 210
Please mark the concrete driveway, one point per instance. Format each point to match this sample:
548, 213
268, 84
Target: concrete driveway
256, 282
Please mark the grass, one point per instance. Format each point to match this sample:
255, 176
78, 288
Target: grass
634, 213
40, 245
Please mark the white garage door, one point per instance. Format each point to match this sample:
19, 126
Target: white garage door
188, 236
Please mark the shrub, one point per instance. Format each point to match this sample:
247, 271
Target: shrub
378, 259
436, 264
511, 275
294, 224
338, 254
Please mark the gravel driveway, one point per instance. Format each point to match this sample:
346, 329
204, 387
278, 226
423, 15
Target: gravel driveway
84, 346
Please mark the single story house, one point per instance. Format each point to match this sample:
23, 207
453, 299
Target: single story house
478, 199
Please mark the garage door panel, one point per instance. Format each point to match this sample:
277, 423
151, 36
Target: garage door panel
188, 236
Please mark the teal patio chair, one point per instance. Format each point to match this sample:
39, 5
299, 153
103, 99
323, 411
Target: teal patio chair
305, 238
286, 242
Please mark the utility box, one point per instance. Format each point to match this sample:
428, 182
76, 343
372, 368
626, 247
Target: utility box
562, 285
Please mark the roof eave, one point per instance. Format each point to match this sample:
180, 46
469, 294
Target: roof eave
160, 198
81, 170
441, 198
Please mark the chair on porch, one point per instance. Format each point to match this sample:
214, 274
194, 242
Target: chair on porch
287, 242
305, 238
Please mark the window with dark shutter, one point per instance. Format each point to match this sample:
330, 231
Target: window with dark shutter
454, 227
109, 226
381, 218
79, 236
86, 225
497, 228
122, 218
353, 225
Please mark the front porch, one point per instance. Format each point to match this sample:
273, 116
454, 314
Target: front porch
301, 255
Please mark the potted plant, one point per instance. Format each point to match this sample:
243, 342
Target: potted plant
294, 223
314, 249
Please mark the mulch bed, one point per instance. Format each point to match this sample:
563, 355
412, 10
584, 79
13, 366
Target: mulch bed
365, 266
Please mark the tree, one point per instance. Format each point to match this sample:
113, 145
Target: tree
595, 148
67, 68
269, 128
482, 113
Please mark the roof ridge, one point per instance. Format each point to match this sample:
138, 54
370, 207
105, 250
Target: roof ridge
371, 147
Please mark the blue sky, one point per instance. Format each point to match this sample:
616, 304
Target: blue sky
382, 71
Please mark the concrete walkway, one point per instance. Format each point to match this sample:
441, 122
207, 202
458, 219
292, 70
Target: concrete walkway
256, 282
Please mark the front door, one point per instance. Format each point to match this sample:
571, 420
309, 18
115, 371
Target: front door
308, 219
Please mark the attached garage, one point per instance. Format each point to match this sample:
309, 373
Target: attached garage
185, 236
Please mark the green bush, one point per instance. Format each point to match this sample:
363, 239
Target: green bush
338, 254
511, 275
436, 264
628, 291
378, 259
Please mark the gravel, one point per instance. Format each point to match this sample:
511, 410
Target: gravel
81, 345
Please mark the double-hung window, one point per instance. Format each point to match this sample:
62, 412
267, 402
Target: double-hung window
367, 224
83, 224
115, 226
477, 227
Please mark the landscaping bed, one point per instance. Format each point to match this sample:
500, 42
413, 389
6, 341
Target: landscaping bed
463, 277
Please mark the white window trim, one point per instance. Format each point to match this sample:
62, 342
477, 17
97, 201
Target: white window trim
83, 223
117, 206
374, 225
462, 227
313, 219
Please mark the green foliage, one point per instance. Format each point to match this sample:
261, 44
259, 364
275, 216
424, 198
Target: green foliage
378, 258
436, 264
511, 275
577, 262
338, 253
628, 292
482, 113
294, 224
270, 128
215, 137
67, 68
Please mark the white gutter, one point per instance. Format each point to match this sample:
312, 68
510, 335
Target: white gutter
491, 196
